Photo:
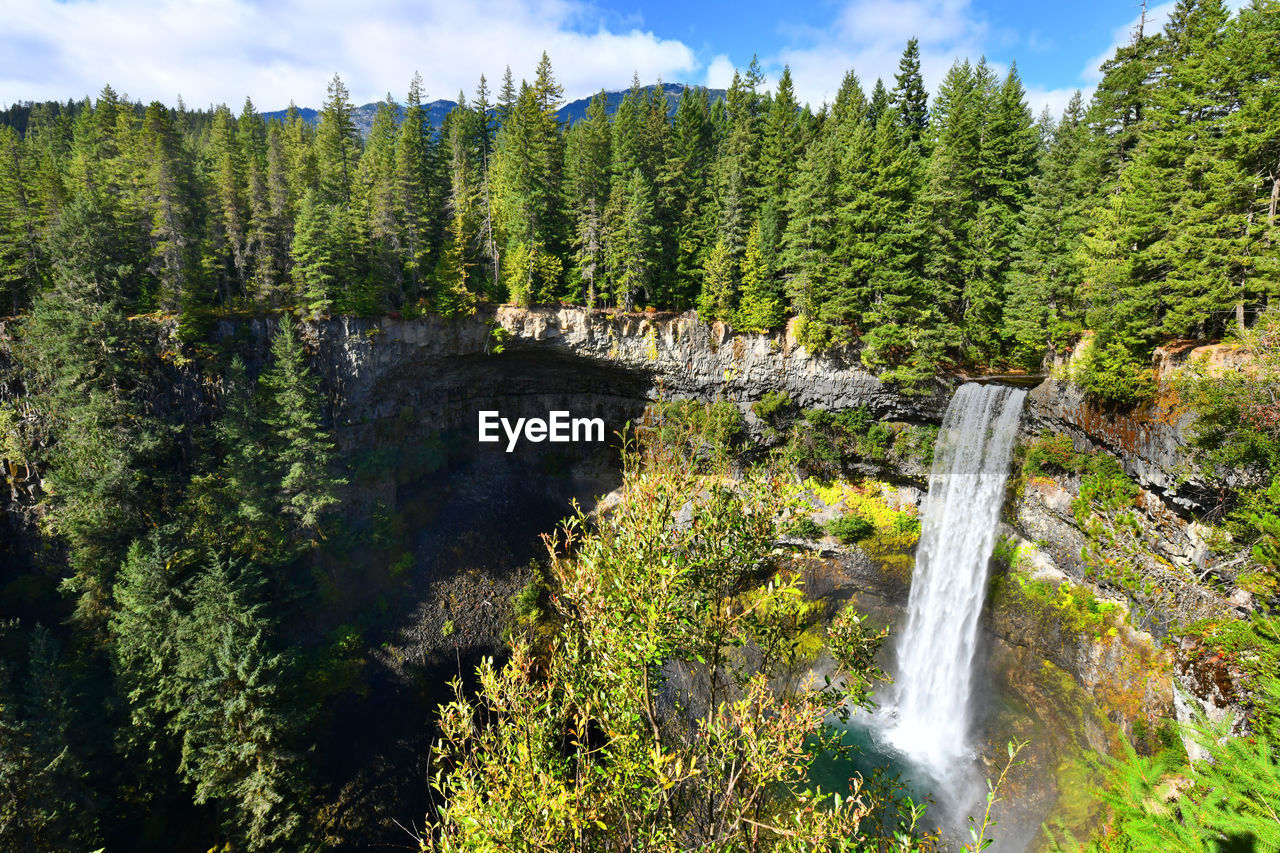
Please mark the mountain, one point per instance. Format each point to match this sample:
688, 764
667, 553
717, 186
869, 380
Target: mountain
437, 110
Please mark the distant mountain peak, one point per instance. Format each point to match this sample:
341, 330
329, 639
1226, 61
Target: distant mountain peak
437, 110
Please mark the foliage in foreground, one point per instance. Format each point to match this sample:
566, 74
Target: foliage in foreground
596, 741
1229, 802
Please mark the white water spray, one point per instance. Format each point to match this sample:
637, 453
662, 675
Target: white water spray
935, 652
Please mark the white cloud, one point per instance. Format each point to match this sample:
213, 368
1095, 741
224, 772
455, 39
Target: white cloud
719, 73
1055, 100
869, 36
211, 51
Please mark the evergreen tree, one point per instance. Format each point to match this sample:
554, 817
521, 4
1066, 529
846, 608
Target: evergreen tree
909, 97
22, 269
692, 151
168, 195
233, 736
1040, 298
903, 321
104, 453
588, 166
810, 243
485, 134
759, 308
633, 244
464, 237
300, 152
337, 146
413, 197
527, 171
715, 302
780, 149
376, 204
879, 103
231, 215
1007, 162
300, 451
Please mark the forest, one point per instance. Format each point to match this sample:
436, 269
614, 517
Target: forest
172, 627
959, 229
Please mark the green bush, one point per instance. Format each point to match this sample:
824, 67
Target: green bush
1052, 454
804, 527
1105, 488
850, 528
773, 406
822, 439
905, 522
917, 442
717, 425
1112, 376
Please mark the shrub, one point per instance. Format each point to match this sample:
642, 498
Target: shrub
717, 425
1053, 454
1105, 488
904, 522
805, 528
850, 528
917, 442
1112, 376
773, 406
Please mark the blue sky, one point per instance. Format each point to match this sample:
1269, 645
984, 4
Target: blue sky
211, 51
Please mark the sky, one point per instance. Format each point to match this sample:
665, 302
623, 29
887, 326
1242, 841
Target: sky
216, 51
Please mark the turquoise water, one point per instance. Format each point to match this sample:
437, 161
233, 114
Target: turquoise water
885, 773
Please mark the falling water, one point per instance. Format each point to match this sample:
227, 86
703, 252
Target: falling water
935, 653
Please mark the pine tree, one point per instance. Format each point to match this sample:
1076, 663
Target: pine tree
903, 322
319, 262
273, 225
464, 238
300, 151
337, 146
22, 269
375, 199
168, 195
1007, 161
588, 166
955, 188
811, 239
1040, 298
715, 302
879, 103
780, 149
485, 120
506, 96
300, 451
527, 172
909, 98
759, 308
738, 182
230, 224
692, 151
105, 459
233, 737
633, 244
413, 197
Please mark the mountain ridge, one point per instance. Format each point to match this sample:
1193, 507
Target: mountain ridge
438, 109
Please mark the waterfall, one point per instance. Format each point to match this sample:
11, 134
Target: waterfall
935, 652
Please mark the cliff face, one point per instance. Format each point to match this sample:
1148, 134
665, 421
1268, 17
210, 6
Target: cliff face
611, 364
